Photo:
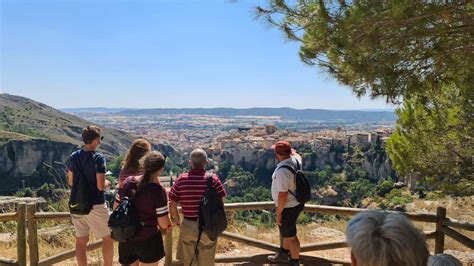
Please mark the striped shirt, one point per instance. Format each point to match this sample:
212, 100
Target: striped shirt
189, 189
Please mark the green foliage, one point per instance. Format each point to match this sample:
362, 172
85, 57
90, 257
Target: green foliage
115, 165
303, 218
361, 189
396, 199
27, 192
417, 51
176, 164
388, 49
435, 143
384, 187
224, 169
435, 195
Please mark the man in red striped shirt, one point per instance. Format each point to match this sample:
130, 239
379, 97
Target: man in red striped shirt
188, 190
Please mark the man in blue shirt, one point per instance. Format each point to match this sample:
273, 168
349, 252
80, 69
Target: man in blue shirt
89, 164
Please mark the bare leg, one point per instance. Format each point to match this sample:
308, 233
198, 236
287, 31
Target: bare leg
81, 250
292, 244
108, 250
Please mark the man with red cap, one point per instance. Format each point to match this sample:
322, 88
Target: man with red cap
287, 207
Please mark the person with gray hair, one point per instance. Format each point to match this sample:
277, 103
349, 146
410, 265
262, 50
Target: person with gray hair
188, 190
443, 260
379, 238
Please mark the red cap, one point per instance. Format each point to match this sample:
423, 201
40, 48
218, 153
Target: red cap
283, 148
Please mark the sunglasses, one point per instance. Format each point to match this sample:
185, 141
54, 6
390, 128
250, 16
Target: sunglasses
101, 137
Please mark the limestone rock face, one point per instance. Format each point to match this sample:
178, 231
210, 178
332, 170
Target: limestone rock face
19, 159
377, 168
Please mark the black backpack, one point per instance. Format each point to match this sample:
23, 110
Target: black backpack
303, 189
80, 201
123, 222
212, 217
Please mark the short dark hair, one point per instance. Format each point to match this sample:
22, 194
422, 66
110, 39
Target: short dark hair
90, 133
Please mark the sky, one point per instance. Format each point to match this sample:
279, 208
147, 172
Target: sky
158, 54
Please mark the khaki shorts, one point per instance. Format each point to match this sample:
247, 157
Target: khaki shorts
95, 221
188, 236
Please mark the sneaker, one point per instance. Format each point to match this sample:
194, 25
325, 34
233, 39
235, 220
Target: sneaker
293, 263
279, 257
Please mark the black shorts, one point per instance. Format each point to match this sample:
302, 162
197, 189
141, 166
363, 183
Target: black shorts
288, 220
147, 251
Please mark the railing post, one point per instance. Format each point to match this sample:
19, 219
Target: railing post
439, 242
32, 234
21, 234
169, 246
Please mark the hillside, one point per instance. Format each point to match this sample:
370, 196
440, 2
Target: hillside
36, 140
285, 113
30, 118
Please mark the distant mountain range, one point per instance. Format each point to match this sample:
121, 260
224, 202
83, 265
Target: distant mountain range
105, 110
288, 114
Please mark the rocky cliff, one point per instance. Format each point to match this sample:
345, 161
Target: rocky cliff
32, 161
377, 166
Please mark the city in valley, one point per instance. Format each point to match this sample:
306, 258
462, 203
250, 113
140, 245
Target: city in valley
240, 136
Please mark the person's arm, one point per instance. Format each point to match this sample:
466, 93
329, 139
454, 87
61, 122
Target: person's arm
100, 181
298, 157
282, 187
221, 200
69, 173
219, 189
173, 206
162, 211
70, 177
164, 222
117, 200
282, 197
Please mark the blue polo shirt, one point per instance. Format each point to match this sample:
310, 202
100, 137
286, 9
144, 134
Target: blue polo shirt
90, 163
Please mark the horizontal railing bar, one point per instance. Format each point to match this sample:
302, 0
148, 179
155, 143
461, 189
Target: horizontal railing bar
250, 241
459, 224
458, 237
7, 261
68, 254
249, 206
419, 217
263, 258
430, 234
52, 216
10, 216
260, 259
324, 246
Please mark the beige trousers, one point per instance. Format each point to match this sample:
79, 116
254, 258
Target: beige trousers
188, 236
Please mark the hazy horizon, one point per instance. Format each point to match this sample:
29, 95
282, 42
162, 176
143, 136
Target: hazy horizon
224, 107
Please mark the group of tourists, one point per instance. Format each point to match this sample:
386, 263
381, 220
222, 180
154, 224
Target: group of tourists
375, 237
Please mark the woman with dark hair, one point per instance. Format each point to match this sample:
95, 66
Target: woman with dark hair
131, 163
150, 202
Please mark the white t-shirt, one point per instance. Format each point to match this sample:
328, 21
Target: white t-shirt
284, 180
